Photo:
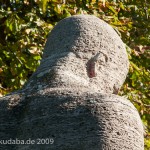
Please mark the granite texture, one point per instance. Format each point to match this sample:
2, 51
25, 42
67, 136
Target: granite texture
70, 98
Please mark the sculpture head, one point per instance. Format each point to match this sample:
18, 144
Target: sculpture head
71, 50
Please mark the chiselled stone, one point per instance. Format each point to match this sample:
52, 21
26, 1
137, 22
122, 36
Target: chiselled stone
69, 99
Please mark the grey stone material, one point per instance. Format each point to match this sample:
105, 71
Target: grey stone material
71, 98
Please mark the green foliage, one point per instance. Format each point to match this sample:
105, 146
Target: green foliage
25, 24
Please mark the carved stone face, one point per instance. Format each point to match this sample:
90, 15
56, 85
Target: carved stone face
70, 51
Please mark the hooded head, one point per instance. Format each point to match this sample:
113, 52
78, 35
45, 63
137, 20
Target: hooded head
83, 51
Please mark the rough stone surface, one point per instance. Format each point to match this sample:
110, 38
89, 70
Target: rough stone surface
70, 97
70, 46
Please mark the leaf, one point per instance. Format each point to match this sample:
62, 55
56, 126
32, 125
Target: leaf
37, 57
134, 66
22, 82
43, 5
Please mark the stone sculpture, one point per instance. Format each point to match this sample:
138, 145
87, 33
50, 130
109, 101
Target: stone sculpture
70, 97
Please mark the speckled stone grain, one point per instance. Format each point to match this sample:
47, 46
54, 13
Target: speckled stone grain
62, 102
